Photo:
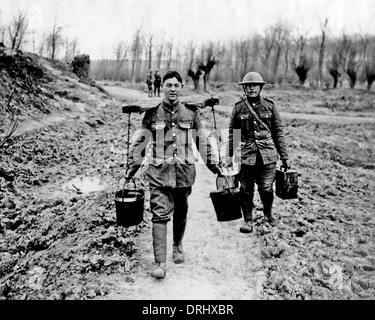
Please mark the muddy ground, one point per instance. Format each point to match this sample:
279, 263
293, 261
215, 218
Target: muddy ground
58, 175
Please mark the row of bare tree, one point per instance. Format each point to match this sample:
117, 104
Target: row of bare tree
17, 35
279, 53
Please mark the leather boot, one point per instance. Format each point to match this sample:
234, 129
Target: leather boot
267, 201
178, 234
159, 237
247, 211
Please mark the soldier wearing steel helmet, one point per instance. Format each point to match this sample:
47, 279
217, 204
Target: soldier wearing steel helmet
258, 147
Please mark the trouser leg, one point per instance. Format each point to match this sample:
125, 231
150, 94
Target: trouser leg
247, 180
159, 241
265, 181
180, 197
267, 201
161, 203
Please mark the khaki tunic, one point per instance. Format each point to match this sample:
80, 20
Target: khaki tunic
248, 137
172, 130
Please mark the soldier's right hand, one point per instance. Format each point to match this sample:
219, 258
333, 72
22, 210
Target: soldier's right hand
128, 175
228, 162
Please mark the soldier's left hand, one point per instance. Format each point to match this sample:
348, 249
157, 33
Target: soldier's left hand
219, 171
285, 165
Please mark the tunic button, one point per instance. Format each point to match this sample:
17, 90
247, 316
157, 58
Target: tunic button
173, 134
173, 124
174, 145
172, 112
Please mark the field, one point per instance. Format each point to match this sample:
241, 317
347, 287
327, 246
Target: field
58, 233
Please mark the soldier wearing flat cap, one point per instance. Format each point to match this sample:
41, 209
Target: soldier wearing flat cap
173, 127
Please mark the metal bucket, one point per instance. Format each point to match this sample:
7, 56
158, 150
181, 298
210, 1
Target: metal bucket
287, 184
129, 206
226, 202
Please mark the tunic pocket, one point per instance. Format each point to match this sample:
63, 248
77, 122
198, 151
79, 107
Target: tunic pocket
244, 121
266, 117
157, 125
186, 125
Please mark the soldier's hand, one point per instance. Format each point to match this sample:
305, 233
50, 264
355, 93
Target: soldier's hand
220, 172
285, 165
228, 163
128, 174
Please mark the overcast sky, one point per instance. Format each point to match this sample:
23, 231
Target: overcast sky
100, 25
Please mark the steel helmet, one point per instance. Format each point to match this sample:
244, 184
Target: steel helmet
252, 77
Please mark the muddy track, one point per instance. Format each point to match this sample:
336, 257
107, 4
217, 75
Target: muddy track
60, 239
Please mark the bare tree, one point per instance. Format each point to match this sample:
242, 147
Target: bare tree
281, 33
370, 71
159, 54
33, 40
149, 46
54, 40
324, 28
264, 46
178, 59
195, 75
42, 45
230, 58
363, 44
136, 50
191, 54
352, 66
2, 31
17, 30
351, 57
70, 49
73, 47
367, 43
121, 53
333, 66
286, 50
207, 62
304, 63
243, 53
169, 48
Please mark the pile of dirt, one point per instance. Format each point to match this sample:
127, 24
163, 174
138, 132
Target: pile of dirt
55, 235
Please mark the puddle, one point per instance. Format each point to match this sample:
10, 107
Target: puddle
83, 184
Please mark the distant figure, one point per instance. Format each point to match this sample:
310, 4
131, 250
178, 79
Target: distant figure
261, 141
149, 84
157, 82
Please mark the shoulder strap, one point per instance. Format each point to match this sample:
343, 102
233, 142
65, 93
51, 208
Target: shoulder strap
256, 116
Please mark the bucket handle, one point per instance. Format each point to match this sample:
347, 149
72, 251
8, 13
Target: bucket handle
125, 182
226, 180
